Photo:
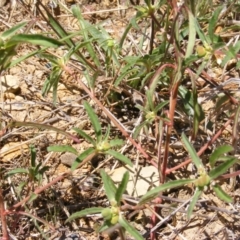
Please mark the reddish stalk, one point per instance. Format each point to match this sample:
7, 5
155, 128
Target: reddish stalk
173, 101
3, 218
201, 151
37, 191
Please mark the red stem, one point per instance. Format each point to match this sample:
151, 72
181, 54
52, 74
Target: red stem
201, 151
39, 190
3, 218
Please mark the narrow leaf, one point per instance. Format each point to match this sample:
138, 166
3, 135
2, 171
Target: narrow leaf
156, 191
120, 157
84, 25
222, 168
105, 138
192, 35
122, 187
33, 156
218, 153
193, 202
24, 57
200, 32
160, 106
104, 227
55, 25
138, 128
85, 135
116, 142
109, 186
62, 148
84, 213
213, 22
221, 194
17, 170
87, 153
94, 120
149, 104
8, 33
198, 112
36, 39
127, 29
129, 228
191, 151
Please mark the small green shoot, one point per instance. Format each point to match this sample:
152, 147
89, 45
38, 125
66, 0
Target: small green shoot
100, 144
203, 180
35, 171
111, 216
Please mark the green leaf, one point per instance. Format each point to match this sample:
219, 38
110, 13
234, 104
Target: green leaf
231, 53
104, 227
43, 169
192, 35
123, 75
17, 170
129, 228
160, 106
127, 70
149, 104
138, 128
109, 186
94, 120
127, 29
105, 138
116, 142
55, 25
200, 33
52, 82
84, 26
187, 99
33, 156
10, 32
193, 202
84, 213
156, 191
122, 187
221, 101
213, 22
192, 152
36, 39
119, 156
221, 194
222, 168
22, 58
218, 153
198, 112
107, 214
82, 156
85, 135
55, 61
62, 148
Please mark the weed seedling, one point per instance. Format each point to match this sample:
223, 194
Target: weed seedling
100, 145
112, 216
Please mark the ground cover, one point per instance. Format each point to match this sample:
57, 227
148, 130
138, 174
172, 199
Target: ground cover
119, 120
